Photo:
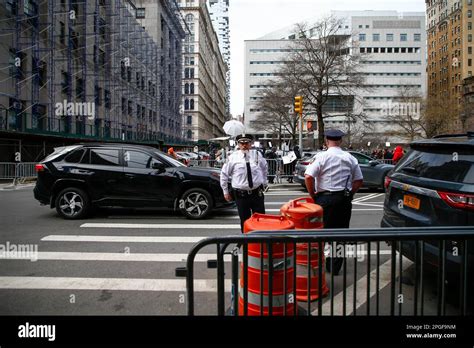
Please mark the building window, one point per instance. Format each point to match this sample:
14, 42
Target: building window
98, 96
189, 120
79, 88
403, 37
417, 37
376, 37
62, 33
469, 38
189, 18
469, 50
107, 99
389, 37
469, 14
362, 50
140, 14
124, 106
361, 37
190, 134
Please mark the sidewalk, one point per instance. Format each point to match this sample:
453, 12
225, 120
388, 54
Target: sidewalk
7, 185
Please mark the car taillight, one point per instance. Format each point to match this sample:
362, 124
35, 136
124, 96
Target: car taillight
39, 168
458, 200
305, 163
387, 182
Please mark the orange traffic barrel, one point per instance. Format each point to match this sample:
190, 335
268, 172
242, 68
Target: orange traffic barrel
258, 279
305, 214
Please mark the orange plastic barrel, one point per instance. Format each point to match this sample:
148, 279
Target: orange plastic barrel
305, 214
281, 299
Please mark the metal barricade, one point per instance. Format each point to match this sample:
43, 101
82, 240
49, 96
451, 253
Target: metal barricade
206, 163
378, 287
9, 170
278, 170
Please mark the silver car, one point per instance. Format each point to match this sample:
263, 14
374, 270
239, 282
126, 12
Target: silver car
374, 172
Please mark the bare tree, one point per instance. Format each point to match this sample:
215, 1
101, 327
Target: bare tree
441, 116
275, 104
406, 113
324, 65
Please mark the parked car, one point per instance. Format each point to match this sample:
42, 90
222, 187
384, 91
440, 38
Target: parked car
373, 171
75, 179
433, 185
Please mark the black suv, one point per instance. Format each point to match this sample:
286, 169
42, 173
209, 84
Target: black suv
74, 179
433, 185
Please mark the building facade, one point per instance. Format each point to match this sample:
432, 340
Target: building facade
204, 78
219, 11
450, 50
78, 71
392, 49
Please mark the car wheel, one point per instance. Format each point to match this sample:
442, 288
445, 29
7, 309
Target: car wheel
195, 204
72, 203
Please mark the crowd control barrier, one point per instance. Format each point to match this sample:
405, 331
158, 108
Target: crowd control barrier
440, 261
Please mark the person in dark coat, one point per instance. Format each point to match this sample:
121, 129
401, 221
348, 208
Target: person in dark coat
272, 164
290, 168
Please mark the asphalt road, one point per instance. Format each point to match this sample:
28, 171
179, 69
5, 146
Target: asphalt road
122, 262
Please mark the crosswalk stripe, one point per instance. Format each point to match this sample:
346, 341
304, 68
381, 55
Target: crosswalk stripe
120, 239
111, 284
161, 226
120, 257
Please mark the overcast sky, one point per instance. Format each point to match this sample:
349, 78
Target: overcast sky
251, 19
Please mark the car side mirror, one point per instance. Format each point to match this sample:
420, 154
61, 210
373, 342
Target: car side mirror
159, 166
373, 163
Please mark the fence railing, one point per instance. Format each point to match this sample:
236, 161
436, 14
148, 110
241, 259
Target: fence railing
9, 170
373, 280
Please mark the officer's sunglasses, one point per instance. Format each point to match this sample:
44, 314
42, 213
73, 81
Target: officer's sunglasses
244, 142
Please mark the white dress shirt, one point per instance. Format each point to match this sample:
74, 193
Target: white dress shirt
234, 171
334, 168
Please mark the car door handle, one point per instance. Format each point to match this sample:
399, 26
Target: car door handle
131, 176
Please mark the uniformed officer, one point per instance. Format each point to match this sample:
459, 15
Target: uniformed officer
332, 180
246, 172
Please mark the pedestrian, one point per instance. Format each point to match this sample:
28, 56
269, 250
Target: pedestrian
332, 180
290, 167
245, 175
172, 153
397, 154
272, 164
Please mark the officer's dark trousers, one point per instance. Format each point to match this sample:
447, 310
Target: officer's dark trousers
337, 211
249, 205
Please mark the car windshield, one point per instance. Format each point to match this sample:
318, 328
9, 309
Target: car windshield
439, 165
170, 159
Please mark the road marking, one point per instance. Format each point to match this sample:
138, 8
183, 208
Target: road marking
361, 287
121, 239
369, 198
121, 257
112, 284
368, 205
366, 197
161, 226
288, 193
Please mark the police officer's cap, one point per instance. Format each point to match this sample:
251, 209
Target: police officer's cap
242, 138
334, 134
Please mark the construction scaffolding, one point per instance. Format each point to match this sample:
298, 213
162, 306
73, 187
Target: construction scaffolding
88, 70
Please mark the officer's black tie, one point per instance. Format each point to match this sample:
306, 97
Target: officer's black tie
249, 173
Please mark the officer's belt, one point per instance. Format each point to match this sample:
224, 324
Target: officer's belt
330, 193
247, 192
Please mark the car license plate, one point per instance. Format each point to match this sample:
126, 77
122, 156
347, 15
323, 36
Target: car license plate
411, 202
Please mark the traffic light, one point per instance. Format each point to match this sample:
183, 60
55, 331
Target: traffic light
299, 105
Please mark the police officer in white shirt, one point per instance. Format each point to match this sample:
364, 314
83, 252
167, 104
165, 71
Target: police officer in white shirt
332, 180
246, 172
